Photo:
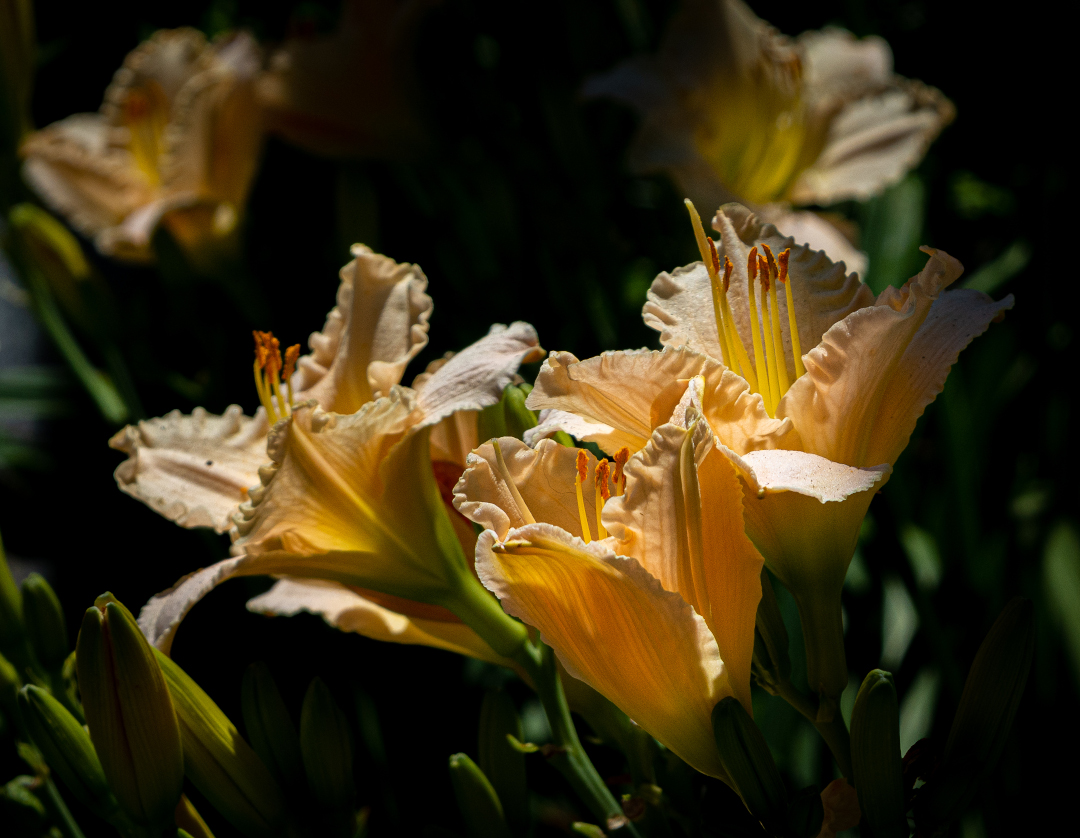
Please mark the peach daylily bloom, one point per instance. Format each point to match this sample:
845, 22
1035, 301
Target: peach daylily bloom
658, 616
176, 142
349, 435
813, 436
734, 111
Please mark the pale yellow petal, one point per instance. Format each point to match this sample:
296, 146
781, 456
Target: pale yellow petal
454, 437
353, 499
630, 392
476, 376
835, 404
738, 417
614, 627
545, 478
817, 233
681, 518
551, 421
379, 324
955, 319
346, 609
195, 470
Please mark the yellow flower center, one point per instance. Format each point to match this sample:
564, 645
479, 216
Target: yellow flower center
145, 112
767, 373
269, 373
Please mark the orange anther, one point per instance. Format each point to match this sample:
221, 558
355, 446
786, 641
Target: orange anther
582, 465
603, 472
728, 267
782, 259
261, 352
621, 456
763, 273
715, 257
752, 263
769, 258
291, 355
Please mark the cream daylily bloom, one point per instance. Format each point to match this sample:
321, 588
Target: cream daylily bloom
733, 110
811, 460
659, 616
197, 469
176, 142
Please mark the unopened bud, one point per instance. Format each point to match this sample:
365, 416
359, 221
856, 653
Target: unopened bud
518, 417
746, 759
499, 760
189, 822
20, 809
66, 747
45, 624
326, 748
219, 763
877, 773
132, 721
477, 800
9, 688
988, 705
270, 728
11, 611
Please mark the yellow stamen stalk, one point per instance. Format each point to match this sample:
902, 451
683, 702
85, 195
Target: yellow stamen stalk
526, 514
745, 369
774, 322
760, 371
603, 492
703, 243
582, 473
770, 357
793, 328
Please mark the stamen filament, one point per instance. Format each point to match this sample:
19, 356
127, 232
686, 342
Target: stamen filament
579, 478
760, 370
796, 349
770, 357
264, 396
777, 340
746, 370
504, 472
703, 243
603, 492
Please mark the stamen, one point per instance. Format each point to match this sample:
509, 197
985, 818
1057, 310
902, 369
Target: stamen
774, 321
504, 473
262, 356
793, 327
621, 456
603, 492
770, 357
582, 473
760, 370
703, 248
291, 356
723, 322
744, 367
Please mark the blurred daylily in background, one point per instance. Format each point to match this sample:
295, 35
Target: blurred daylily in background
349, 492
176, 142
733, 110
812, 434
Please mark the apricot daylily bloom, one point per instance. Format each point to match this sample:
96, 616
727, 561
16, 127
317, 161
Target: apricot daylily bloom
196, 469
812, 454
733, 110
176, 142
658, 616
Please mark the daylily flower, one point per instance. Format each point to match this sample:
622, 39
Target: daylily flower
350, 93
639, 577
176, 142
349, 505
813, 436
734, 111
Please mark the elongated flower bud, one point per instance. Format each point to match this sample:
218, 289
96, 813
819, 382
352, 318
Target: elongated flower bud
503, 764
11, 610
518, 417
270, 728
130, 714
45, 624
875, 756
220, 763
746, 758
326, 746
67, 750
477, 800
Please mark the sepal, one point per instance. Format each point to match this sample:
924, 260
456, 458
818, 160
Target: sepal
477, 800
748, 762
877, 773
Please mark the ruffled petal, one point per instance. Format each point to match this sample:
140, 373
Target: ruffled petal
346, 609
545, 478
614, 627
552, 421
454, 437
835, 404
379, 324
195, 470
629, 392
817, 233
681, 518
476, 376
955, 319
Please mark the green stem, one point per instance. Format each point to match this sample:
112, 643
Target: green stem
60, 812
571, 760
832, 730
613, 726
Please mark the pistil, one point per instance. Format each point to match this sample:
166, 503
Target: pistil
796, 348
504, 473
774, 322
755, 332
603, 492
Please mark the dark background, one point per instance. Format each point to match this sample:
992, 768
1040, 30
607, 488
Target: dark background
522, 208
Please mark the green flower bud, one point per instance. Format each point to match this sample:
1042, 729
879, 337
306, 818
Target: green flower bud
988, 705
132, 721
518, 417
67, 750
877, 773
189, 822
746, 758
771, 665
219, 762
9, 689
477, 800
500, 761
270, 728
326, 747
45, 624
11, 609
20, 809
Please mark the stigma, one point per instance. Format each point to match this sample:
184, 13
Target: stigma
764, 364
273, 378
